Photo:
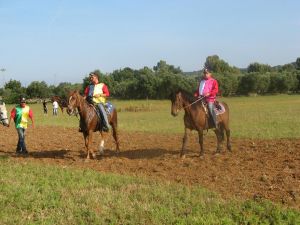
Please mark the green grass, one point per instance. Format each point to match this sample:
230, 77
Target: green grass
250, 117
35, 194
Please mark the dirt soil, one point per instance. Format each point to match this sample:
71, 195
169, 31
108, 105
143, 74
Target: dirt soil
256, 169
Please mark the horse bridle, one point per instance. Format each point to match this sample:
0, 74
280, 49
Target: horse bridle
75, 111
199, 99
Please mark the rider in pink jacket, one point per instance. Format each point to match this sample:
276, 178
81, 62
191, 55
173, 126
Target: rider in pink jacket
209, 88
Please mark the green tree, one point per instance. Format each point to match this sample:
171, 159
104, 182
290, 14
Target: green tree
287, 67
283, 82
162, 68
13, 85
148, 83
63, 89
254, 83
12, 91
37, 89
258, 67
217, 65
228, 84
123, 74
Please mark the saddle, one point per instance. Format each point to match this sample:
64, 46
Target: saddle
218, 108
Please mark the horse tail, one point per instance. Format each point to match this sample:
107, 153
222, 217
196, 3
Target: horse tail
114, 125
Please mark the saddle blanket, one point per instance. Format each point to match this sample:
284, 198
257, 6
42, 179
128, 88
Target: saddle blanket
219, 110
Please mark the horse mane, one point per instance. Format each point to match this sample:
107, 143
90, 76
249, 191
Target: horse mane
186, 95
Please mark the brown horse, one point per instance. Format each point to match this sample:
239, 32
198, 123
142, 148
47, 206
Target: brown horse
89, 122
62, 103
195, 118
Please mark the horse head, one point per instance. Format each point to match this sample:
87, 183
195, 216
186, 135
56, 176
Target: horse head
73, 102
3, 115
177, 103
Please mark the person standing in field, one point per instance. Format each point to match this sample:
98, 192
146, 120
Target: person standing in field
96, 93
55, 107
45, 108
20, 114
208, 87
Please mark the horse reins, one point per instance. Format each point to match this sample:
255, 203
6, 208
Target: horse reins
199, 99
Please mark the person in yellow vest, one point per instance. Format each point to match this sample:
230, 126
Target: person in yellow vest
20, 114
96, 93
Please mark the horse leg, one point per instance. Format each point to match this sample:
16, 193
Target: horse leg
101, 145
219, 140
116, 137
228, 138
86, 143
90, 149
88, 140
184, 141
200, 136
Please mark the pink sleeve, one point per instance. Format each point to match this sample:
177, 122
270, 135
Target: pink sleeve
215, 88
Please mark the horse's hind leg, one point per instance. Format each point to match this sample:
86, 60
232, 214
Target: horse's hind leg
200, 136
228, 138
184, 141
219, 140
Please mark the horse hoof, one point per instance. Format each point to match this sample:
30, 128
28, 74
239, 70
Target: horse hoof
94, 156
182, 156
86, 160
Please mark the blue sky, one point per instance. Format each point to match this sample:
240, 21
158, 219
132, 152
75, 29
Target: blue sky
63, 40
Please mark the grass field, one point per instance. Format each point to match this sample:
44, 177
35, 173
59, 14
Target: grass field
31, 193
250, 117
35, 194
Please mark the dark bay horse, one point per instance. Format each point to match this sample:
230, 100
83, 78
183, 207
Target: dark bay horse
195, 118
89, 122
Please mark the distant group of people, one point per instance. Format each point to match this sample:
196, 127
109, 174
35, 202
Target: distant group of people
96, 94
55, 107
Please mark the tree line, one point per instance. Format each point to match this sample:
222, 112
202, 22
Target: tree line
158, 82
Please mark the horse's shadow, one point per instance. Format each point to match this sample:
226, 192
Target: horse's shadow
140, 153
54, 154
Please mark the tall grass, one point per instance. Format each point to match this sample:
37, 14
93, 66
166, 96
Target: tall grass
250, 117
31, 194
